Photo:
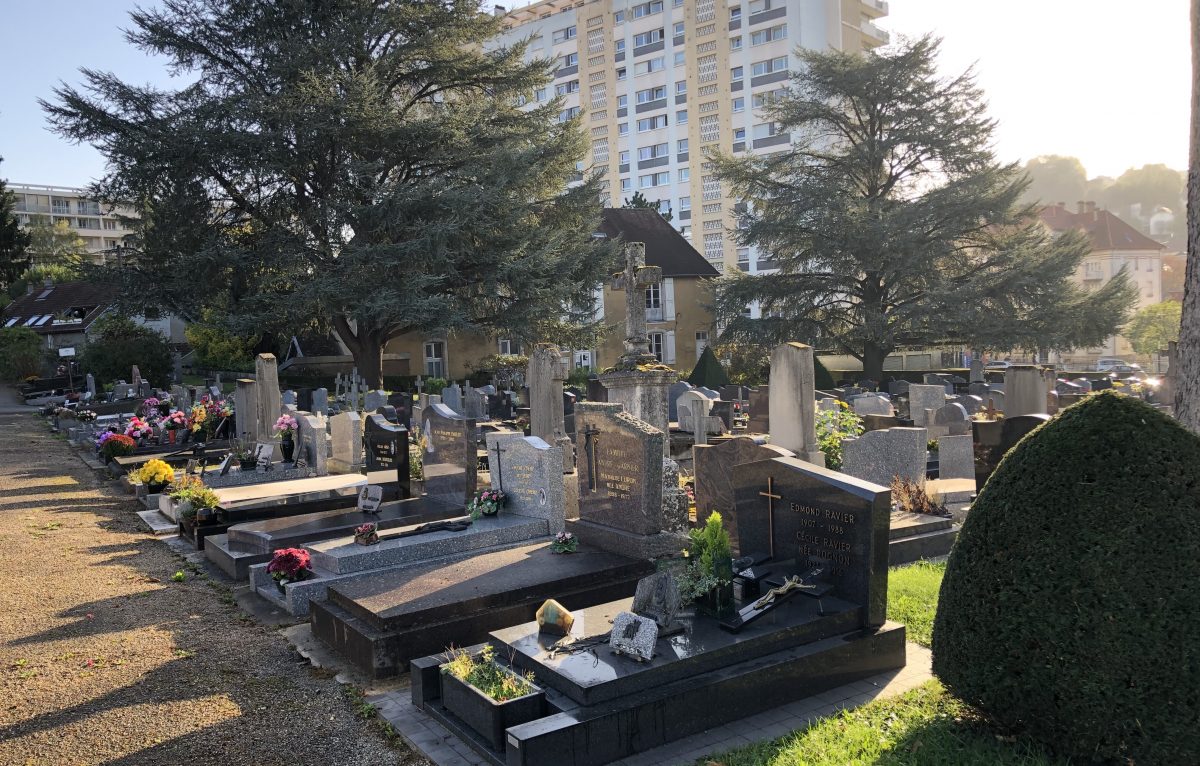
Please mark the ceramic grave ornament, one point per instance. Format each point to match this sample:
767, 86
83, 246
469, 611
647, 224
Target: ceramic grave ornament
554, 619
634, 636
369, 498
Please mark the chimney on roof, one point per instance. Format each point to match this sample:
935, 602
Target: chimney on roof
1079, 207
498, 11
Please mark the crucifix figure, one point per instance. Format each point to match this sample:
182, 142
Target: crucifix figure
635, 280
591, 436
771, 498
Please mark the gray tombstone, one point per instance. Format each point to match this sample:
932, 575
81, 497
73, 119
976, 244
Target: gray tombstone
872, 404
696, 406
288, 397
529, 471
449, 457
674, 391
1024, 390
320, 401
922, 398
956, 457
760, 410
634, 636
969, 402
877, 456
793, 407
268, 399
373, 400
977, 369
346, 428
898, 387
452, 398
545, 376
657, 597
91, 384
949, 420
313, 444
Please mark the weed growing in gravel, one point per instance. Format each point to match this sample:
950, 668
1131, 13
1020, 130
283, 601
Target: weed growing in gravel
179, 576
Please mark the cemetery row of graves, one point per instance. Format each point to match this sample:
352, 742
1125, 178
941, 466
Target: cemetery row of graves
579, 590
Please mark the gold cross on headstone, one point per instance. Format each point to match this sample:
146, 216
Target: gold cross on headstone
771, 498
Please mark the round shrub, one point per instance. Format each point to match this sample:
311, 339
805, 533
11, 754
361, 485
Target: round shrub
1070, 607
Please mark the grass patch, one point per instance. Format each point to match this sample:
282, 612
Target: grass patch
913, 598
923, 727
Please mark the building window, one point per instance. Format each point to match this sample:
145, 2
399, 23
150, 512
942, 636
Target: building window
739, 104
701, 342
680, 58
652, 123
110, 224
564, 88
622, 102
654, 179
647, 9
623, 157
735, 13
652, 152
681, 117
680, 28
769, 35
626, 184
739, 134
435, 359
685, 203
778, 64
686, 232
735, 43
758, 6
681, 145
562, 35
743, 258
685, 174
622, 128
680, 87
647, 38
508, 347
540, 94
656, 64
656, 345
735, 74
651, 94
621, 74
766, 130
619, 17
620, 45
762, 100
653, 297
569, 114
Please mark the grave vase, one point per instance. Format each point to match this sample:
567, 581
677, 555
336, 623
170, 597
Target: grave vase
718, 602
288, 447
171, 436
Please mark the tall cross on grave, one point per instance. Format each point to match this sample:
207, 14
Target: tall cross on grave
420, 386
494, 465
591, 437
635, 280
771, 498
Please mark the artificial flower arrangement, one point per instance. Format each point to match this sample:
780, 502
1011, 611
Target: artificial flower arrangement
149, 406
104, 437
175, 421
156, 474
366, 534
289, 565
487, 502
86, 416
285, 426
198, 416
565, 542
116, 445
138, 428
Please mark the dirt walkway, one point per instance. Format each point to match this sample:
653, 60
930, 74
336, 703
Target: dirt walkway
105, 659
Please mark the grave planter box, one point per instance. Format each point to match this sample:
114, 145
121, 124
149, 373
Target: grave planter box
484, 715
718, 602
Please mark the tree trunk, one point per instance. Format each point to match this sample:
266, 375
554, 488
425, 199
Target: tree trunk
366, 346
1187, 377
873, 357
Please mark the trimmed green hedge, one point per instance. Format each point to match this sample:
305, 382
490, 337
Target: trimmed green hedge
1070, 608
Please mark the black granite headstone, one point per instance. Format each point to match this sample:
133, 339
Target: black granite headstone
596, 392
304, 398
449, 455
401, 402
760, 410
387, 450
796, 511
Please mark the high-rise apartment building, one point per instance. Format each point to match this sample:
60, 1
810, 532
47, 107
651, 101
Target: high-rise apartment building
659, 83
100, 228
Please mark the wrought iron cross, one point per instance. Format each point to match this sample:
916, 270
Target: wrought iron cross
771, 498
494, 467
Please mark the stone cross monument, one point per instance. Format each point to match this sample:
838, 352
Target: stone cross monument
635, 280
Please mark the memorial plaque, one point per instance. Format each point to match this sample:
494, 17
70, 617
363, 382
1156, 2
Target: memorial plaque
387, 446
369, 498
799, 511
530, 472
449, 455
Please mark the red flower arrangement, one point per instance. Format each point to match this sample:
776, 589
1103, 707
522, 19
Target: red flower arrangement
290, 565
117, 445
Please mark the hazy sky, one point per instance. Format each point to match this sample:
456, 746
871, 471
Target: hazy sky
1104, 80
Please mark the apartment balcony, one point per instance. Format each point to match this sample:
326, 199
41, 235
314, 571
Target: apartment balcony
875, 8
1093, 276
873, 34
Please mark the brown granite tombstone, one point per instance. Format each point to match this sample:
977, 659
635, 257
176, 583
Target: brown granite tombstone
715, 466
760, 410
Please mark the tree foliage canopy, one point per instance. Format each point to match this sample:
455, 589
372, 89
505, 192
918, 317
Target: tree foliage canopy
21, 353
1153, 327
364, 164
892, 223
115, 344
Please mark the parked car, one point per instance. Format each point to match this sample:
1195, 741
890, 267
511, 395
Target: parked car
1126, 369
997, 365
1108, 364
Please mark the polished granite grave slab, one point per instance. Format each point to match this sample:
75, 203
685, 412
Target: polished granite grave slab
916, 536
699, 680
337, 560
381, 622
295, 504
249, 543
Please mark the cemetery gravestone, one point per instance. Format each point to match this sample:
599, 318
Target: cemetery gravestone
313, 446
1024, 390
346, 428
715, 466
877, 456
793, 510
452, 398
268, 400
956, 457
872, 405
387, 451
373, 400
320, 402
529, 471
950, 420
674, 391
793, 402
449, 457
760, 410
922, 398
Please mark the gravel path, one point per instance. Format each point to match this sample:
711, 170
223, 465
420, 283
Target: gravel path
104, 659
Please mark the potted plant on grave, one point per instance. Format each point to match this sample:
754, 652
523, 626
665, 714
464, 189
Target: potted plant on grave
164, 406
149, 407
289, 565
285, 429
114, 445
366, 534
487, 502
565, 542
173, 422
244, 455
180, 493
487, 696
523, 425
155, 475
138, 429
201, 507
707, 578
